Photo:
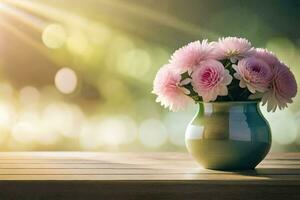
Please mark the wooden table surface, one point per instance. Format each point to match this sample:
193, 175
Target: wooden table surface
80, 175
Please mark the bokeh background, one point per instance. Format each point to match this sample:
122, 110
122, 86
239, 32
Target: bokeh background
77, 75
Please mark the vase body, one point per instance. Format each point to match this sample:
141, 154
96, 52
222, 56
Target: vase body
228, 135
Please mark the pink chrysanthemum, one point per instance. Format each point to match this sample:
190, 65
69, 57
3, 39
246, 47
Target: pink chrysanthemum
167, 87
253, 73
187, 57
283, 88
210, 79
232, 48
266, 56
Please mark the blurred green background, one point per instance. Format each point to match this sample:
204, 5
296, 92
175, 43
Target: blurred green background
77, 75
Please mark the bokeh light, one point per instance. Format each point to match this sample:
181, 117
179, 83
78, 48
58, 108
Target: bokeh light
8, 115
29, 95
27, 127
78, 43
177, 133
135, 63
54, 36
282, 134
114, 131
118, 46
152, 133
108, 132
66, 80
99, 34
88, 135
65, 119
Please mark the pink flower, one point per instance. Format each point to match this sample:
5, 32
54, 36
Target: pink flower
166, 86
187, 57
253, 73
233, 48
210, 79
266, 56
283, 88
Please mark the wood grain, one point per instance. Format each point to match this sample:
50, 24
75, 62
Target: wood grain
90, 175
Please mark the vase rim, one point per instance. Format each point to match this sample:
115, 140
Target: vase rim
231, 102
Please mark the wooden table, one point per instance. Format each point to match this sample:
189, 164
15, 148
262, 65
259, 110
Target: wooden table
75, 175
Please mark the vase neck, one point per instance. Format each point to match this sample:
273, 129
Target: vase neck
226, 107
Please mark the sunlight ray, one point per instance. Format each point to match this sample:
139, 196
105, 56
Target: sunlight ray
52, 13
139, 11
28, 40
22, 36
22, 16
161, 18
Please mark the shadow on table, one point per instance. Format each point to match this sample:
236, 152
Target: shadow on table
272, 173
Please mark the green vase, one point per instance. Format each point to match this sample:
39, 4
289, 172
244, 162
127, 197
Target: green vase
228, 135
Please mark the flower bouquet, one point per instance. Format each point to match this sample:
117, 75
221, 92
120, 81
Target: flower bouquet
228, 79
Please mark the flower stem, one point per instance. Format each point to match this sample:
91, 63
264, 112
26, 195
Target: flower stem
230, 97
244, 92
227, 65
